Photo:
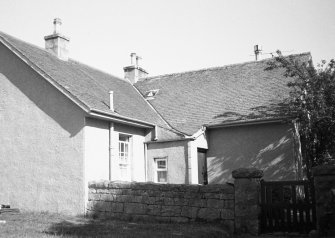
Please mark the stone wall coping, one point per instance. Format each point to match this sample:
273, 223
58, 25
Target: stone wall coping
247, 173
105, 184
323, 170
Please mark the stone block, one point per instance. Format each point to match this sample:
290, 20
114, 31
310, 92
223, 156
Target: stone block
180, 201
229, 204
197, 202
170, 211
135, 208
179, 219
115, 191
190, 212
227, 214
93, 197
211, 195
168, 201
247, 173
163, 219
225, 196
209, 214
102, 191
107, 197
123, 198
100, 206
154, 210
215, 203
116, 207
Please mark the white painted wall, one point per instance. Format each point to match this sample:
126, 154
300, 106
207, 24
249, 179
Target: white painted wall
96, 150
199, 142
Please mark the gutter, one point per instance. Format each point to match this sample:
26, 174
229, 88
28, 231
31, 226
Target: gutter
118, 118
249, 122
172, 140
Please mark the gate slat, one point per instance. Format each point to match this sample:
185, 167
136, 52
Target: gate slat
287, 214
294, 202
269, 208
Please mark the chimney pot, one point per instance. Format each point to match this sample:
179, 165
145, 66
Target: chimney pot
138, 58
133, 59
57, 25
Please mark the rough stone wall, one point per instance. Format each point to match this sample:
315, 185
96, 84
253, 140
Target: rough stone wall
163, 202
324, 183
247, 193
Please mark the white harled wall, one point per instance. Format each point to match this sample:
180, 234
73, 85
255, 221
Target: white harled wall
97, 150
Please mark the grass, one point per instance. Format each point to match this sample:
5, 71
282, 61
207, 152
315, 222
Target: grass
37, 225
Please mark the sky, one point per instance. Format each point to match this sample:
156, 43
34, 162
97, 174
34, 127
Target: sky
175, 35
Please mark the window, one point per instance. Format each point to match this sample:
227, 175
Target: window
124, 157
151, 94
161, 170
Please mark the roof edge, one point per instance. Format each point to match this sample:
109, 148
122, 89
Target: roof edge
47, 77
221, 67
250, 122
118, 118
172, 140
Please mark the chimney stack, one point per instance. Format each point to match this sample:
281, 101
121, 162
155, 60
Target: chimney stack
134, 72
57, 43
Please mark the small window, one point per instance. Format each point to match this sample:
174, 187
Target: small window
161, 170
151, 94
124, 160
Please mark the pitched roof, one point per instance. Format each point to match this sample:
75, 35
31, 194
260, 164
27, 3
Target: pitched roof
87, 85
238, 92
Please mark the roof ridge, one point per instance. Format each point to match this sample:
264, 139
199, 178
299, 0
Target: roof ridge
4, 35
39, 70
100, 70
219, 67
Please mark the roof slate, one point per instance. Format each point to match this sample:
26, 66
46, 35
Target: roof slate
88, 85
238, 92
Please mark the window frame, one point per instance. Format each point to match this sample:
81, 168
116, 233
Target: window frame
160, 169
125, 163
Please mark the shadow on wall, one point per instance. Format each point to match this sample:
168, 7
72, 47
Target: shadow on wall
267, 147
39, 92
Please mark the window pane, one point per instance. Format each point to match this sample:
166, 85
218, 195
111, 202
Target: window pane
124, 171
161, 164
162, 176
124, 138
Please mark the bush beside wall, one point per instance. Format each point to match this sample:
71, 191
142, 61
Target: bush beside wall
162, 202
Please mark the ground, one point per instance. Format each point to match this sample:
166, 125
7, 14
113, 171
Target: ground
38, 225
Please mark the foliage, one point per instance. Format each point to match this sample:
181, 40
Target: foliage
312, 99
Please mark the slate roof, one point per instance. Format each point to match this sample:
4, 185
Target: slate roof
233, 93
88, 85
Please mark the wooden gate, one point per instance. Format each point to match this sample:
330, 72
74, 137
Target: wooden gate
287, 206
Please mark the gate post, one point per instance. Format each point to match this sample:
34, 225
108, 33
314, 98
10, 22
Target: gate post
247, 197
324, 185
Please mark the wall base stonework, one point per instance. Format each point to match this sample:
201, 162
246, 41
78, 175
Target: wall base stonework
162, 202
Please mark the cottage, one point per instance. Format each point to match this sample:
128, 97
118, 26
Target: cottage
63, 123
